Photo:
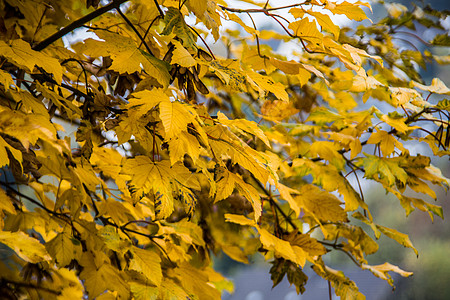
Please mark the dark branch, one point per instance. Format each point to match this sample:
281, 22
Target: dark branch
76, 24
159, 8
29, 285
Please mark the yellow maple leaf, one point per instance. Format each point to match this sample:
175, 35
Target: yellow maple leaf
147, 262
224, 144
437, 86
307, 243
397, 236
239, 219
6, 80
21, 54
381, 271
106, 277
386, 141
282, 248
182, 56
321, 204
398, 123
384, 169
245, 125
285, 193
196, 281
146, 100
329, 151
26, 247
229, 181
175, 118
126, 56
160, 178
4, 160
353, 11
264, 83
183, 143
323, 20
307, 30
63, 248
277, 110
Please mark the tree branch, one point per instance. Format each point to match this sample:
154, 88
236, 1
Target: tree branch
76, 24
259, 10
135, 30
30, 199
29, 285
261, 186
159, 8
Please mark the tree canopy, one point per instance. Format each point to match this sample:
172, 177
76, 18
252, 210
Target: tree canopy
132, 157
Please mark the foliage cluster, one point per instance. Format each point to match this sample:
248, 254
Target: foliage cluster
165, 167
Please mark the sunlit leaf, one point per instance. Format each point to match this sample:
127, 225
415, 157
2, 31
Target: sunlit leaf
27, 248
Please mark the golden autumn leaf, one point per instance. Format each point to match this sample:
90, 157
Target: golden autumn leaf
320, 204
106, 277
308, 31
308, 244
381, 271
20, 53
148, 263
182, 56
324, 20
397, 236
384, 169
64, 248
437, 86
27, 248
352, 11
386, 142
126, 56
146, 100
282, 248
175, 118
264, 83
6, 79
245, 125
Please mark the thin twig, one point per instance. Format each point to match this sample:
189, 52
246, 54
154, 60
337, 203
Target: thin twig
256, 36
148, 29
135, 30
139, 221
329, 291
259, 10
32, 200
414, 35
204, 42
273, 202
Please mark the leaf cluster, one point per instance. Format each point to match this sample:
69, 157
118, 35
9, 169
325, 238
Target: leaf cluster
130, 158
